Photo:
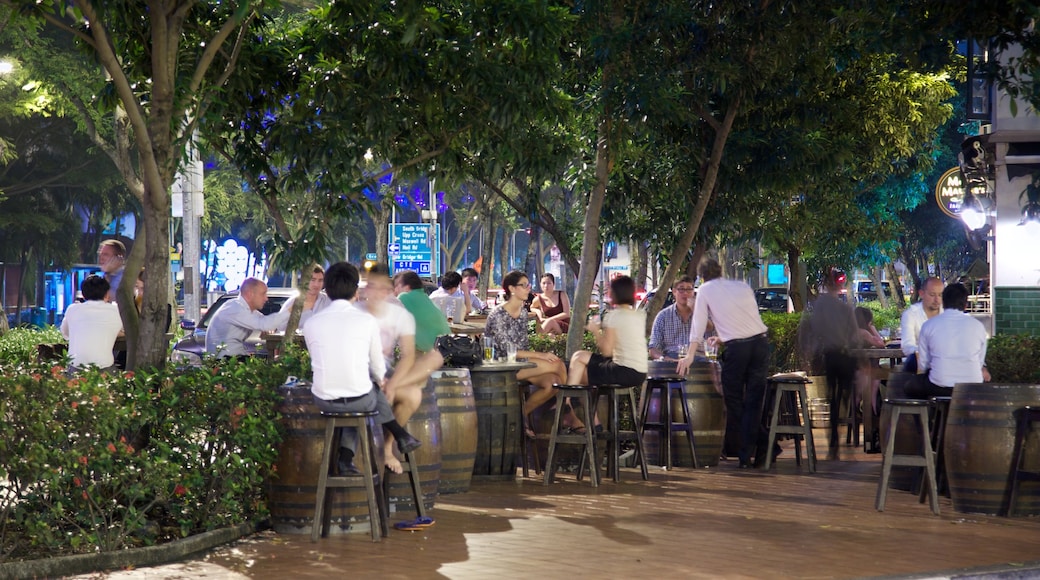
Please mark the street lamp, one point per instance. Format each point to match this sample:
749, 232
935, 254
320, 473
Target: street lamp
512, 259
6, 67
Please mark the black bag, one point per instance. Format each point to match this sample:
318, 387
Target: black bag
459, 351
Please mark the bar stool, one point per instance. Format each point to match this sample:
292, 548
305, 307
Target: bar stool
919, 410
613, 433
528, 443
791, 387
1027, 416
584, 394
334, 422
942, 411
411, 467
666, 425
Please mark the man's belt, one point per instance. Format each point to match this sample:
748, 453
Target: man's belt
748, 339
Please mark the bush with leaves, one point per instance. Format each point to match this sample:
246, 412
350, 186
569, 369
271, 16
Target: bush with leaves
99, 462
1012, 358
783, 341
19, 344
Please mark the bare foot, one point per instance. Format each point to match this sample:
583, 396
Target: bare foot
393, 464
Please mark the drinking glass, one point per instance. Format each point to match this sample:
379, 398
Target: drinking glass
683, 350
449, 310
489, 348
511, 353
712, 352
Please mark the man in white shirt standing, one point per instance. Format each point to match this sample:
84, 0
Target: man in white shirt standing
347, 360
731, 306
235, 321
951, 348
91, 327
929, 305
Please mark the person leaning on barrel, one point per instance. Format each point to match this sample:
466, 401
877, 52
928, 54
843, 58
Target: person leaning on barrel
347, 360
951, 348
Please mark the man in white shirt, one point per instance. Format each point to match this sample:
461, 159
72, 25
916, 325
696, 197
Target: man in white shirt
731, 306
235, 321
450, 298
470, 278
929, 305
347, 360
91, 327
951, 348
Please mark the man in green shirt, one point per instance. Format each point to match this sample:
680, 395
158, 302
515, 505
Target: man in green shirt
429, 320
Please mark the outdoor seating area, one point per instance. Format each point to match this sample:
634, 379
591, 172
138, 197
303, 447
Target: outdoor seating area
721, 522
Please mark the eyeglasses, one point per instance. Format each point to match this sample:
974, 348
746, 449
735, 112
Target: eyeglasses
524, 285
684, 289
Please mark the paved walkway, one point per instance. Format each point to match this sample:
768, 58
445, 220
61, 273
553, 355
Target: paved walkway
722, 522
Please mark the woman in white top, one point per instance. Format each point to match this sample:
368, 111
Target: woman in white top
623, 354
92, 326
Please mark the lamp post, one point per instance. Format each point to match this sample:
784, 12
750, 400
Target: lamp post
512, 259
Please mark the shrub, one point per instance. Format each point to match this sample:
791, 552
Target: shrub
884, 317
19, 344
100, 462
783, 341
558, 344
1013, 358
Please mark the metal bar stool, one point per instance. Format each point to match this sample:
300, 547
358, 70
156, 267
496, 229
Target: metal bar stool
919, 410
791, 386
666, 424
584, 393
1027, 416
334, 422
613, 433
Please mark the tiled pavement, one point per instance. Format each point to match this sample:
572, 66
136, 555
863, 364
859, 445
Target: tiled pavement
721, 522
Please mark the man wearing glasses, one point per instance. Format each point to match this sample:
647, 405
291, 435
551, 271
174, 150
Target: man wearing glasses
671, 329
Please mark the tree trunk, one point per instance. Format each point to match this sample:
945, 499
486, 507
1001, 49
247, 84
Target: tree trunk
875, 279
642, 255
531, 254
897, 287
796, 286
590, 243
711, 174
487, 250
151, 340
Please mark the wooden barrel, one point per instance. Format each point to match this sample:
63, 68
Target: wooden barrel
458, 411
425, 425
497, 396
979, 442
708, 413
291, 491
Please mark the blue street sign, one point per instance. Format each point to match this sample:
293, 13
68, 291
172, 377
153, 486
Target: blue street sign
412, 247
371, 256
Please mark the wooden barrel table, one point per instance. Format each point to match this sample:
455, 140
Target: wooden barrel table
707, 412
458, 411
291, 490
979, 442
425, 425
496, 393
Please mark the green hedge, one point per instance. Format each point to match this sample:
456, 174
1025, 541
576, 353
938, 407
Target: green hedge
1014, 358
783, 341
76, 473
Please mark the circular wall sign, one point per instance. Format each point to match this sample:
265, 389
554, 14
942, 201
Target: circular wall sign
950, 192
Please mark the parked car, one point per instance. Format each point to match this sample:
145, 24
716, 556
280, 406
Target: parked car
189, 350
772, 300
644, 302
865, 290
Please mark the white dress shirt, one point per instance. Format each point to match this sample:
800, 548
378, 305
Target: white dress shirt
91, 328
394, 322
346, 352
910, 327
952, 347
233, 324
731, 306
320, 302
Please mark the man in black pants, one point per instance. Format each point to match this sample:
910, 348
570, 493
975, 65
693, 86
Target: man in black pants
731, 306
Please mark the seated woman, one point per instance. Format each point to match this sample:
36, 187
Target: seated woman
92, 326
313, 301
507, 325
867, 382
552, 308
621, 340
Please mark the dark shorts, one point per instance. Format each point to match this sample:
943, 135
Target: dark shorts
604, 371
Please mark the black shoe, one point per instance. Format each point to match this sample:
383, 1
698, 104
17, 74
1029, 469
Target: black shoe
408, 445
746, 465
347, 469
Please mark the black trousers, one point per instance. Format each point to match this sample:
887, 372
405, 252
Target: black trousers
840, 368
745, 364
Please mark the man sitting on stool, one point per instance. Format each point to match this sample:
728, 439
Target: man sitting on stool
347, 364
951, 349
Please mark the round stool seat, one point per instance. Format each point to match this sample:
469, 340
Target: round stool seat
346, 415
909, 402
